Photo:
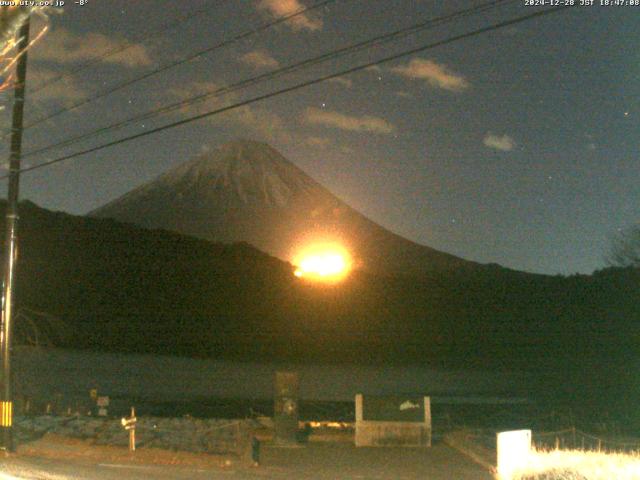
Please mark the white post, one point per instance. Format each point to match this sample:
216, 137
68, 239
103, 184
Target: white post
132, 432
427, 417
514, 449
359, 416
358, 407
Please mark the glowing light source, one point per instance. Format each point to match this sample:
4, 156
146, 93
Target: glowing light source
324, 262
11, 19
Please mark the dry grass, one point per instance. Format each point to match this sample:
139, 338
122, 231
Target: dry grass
580, 465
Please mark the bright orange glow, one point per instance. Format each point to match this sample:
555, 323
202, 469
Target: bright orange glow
324, 262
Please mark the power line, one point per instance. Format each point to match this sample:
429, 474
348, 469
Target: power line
187, 59
299, 86
123, 48
286, 90
378, 40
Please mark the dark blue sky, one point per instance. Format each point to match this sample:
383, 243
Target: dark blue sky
519, 146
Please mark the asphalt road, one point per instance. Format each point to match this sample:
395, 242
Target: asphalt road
320, 461
47, 469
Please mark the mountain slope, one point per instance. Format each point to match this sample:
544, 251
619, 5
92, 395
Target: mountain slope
247, 191
119, 287
122, 288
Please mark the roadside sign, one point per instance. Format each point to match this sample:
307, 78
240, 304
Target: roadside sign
129, 423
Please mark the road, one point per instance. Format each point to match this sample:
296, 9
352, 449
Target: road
316, 461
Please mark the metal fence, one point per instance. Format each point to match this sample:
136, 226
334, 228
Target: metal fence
573, 438
566, 439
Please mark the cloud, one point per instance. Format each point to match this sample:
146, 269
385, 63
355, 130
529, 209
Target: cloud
365, 123
283, 8
503, 143
263, 123
259, 59
192, 89
436, 75
345, 82
252, 120
63, 46
60, 89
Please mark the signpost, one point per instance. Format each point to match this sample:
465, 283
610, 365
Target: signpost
102, 403
129, 423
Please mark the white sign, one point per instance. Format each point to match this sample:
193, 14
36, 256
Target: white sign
129, 423
514, 449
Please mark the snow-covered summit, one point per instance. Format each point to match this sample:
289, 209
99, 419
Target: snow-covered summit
253, 171
247, 191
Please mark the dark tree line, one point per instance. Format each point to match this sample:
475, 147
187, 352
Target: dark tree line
625, 249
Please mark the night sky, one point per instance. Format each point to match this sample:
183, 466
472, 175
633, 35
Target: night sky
518, 146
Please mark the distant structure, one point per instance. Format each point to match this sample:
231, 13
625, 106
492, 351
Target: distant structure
393, 421
39, 329
285, 415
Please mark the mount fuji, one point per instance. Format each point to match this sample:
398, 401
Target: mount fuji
246, 191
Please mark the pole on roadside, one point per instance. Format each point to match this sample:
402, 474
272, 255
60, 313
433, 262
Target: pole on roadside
132, 432
6, 397
130, 425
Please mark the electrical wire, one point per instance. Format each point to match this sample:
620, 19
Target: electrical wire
353, 48
187, 59
123, 48
298, 86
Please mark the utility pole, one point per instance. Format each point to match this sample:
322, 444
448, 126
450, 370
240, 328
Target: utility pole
6, 398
